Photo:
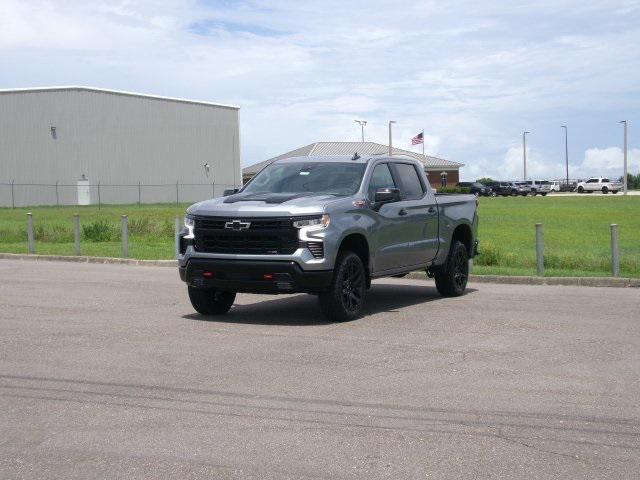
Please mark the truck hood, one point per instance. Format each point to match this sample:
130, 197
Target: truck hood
263, 205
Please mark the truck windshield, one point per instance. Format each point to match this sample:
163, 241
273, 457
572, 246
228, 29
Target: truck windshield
328, 178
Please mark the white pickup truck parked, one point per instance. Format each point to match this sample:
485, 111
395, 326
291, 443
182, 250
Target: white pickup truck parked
599, 184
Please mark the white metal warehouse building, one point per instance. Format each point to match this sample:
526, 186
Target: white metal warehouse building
130, 147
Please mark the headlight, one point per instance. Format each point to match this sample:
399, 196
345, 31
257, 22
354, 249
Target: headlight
188, 221
321, 222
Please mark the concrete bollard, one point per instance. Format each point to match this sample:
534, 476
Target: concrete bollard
76, 233
615, 251
30, 236
125, 236
539, 249
177, 235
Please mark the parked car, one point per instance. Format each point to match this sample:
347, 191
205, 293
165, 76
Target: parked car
599, 184
562, 186
326, 226
523, 188
536, 187
504, 189
476, 188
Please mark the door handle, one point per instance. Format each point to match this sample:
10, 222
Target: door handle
402, 212
431, 210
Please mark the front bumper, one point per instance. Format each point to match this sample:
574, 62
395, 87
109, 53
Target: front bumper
253, 276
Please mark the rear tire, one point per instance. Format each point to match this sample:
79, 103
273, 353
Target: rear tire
451, 279
614, 191
543, 194
345, 297
209, 301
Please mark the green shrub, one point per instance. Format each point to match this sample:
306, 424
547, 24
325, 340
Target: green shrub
13, 235
99, 231
55, 233
141, 226
488, 255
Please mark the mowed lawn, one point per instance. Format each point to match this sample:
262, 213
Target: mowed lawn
576, 233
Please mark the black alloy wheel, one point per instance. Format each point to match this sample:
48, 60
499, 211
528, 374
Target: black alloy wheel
451, 279
345, 297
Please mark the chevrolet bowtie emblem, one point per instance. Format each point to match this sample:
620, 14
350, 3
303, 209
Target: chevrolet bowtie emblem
237, 225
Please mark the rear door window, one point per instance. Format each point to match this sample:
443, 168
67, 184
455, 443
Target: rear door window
410, 184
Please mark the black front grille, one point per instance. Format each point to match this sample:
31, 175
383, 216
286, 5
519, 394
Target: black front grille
262, 236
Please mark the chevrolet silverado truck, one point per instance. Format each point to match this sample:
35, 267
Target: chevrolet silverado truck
326, 226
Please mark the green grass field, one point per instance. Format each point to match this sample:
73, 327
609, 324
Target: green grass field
576, 232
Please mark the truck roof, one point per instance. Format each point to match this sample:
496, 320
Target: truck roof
342, 158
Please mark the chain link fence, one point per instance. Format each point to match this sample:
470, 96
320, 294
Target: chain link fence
14, 194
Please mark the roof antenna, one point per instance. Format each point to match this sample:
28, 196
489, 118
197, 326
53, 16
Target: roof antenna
355, 156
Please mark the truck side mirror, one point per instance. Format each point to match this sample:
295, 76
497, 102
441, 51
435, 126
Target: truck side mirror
230, 191
385, 195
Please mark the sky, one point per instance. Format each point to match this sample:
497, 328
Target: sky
474, 75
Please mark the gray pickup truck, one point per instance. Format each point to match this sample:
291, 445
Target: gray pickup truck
326, 226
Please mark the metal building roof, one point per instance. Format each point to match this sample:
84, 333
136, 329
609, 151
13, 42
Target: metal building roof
114, 92
349, 148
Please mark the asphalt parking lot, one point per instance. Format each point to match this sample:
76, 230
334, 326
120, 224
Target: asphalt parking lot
106, 372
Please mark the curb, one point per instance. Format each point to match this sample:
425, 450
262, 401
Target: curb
85, 259
501, 279
567, 281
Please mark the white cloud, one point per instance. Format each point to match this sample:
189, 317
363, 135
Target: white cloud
596, 162
609, 161
472, 74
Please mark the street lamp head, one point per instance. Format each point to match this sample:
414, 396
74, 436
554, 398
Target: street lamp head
563, 126
392, 121
623, 121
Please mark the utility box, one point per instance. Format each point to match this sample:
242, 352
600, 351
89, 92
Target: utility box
84, 191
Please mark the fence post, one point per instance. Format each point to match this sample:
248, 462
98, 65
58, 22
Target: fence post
125, 237
99, 199
30, 236
177, 235
615, 252
177, 196
57, 198
213, 190
539, 249
138, 192
13, 201
76, 232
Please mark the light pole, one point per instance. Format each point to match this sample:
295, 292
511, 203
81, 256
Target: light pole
566, 151
624, 179
524, 153
390, 138
362, 123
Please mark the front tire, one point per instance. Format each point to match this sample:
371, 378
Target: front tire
208, 301
605, 190
580, 190
345, 297
451, 279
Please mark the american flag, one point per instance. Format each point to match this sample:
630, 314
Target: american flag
418, 139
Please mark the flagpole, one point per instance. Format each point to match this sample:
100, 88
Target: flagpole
423, 142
